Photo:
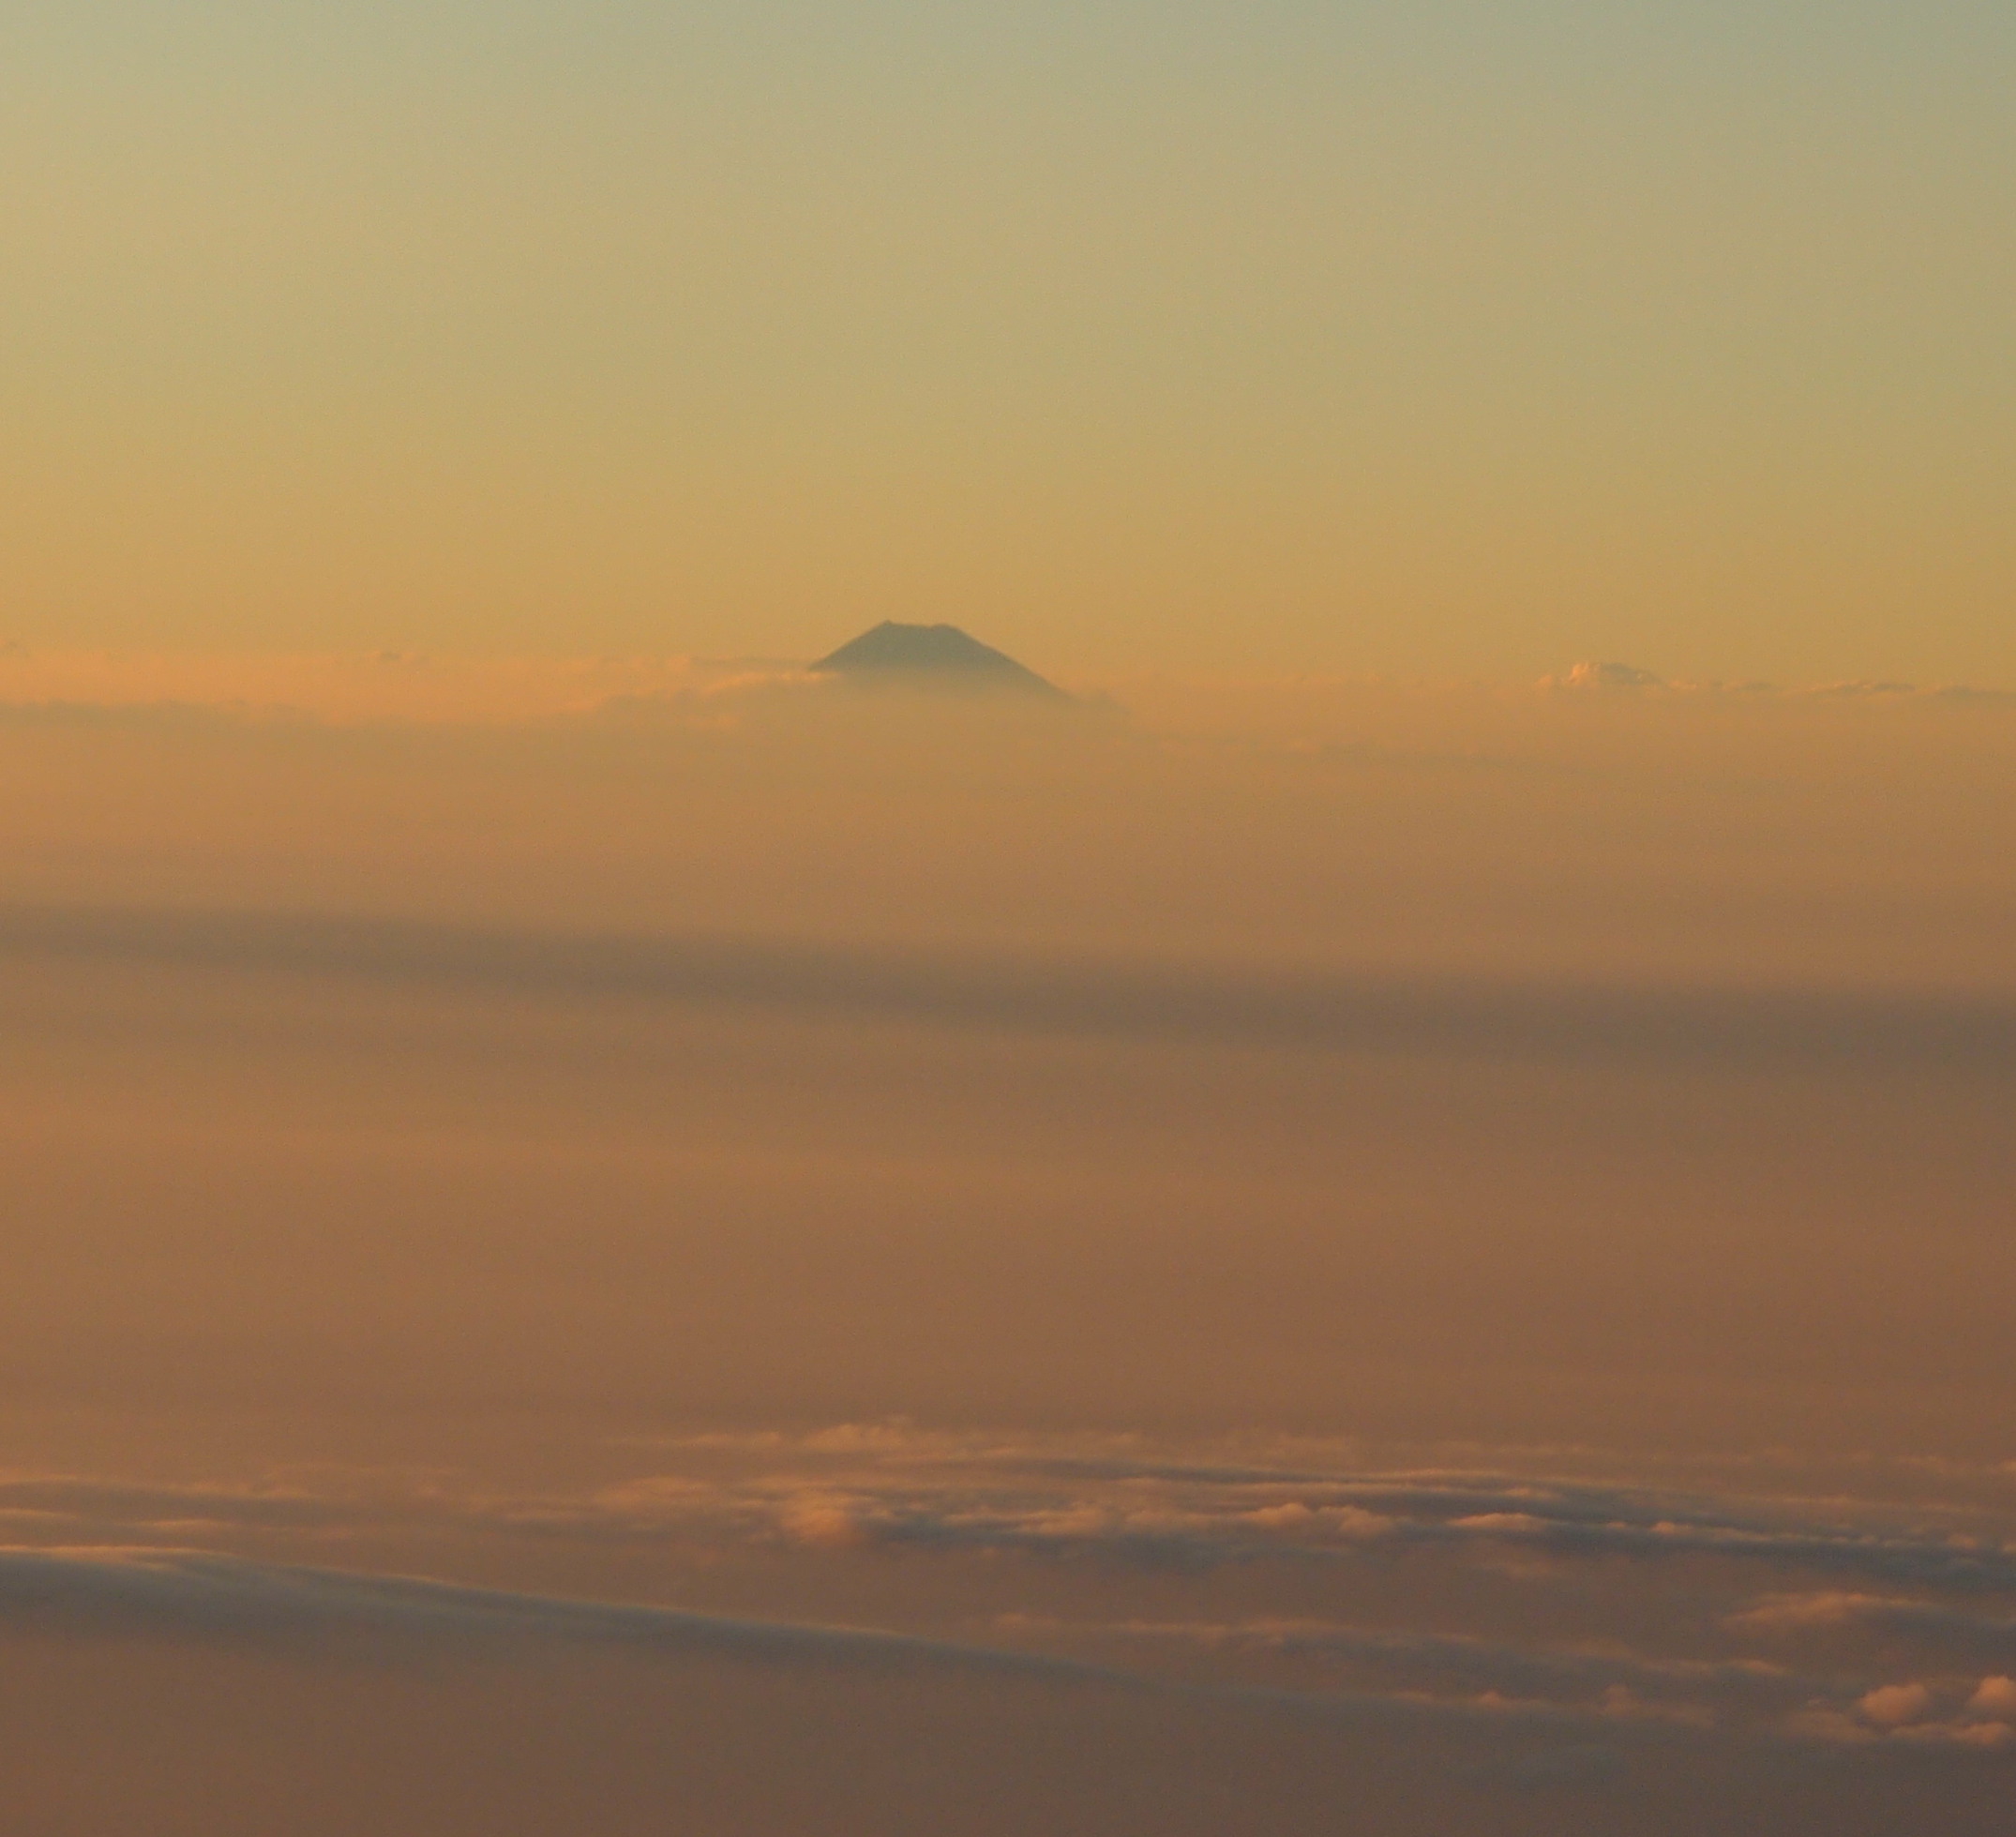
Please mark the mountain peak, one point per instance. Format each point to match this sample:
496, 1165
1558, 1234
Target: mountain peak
937, 655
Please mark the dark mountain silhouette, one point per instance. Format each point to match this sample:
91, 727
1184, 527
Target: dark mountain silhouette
931, 657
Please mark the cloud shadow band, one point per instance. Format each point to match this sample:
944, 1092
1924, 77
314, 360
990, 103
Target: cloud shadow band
1203, 1004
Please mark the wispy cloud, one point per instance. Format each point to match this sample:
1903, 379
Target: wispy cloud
1941, 1625
1616, 1679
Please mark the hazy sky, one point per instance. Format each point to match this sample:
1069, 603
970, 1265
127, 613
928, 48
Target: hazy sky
1447, 336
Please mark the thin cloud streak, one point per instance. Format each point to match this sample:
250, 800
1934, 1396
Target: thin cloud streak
1204, 1004
323, 1615
197, 1594
307, 1613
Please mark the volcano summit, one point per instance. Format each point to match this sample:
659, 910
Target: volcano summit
931, 657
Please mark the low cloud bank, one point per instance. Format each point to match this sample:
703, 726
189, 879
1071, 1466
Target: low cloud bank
1164, 1515
1594, 677
1747, 1635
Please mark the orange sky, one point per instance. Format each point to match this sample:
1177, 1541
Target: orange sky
1443, 339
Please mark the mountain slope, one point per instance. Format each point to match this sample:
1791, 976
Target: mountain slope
931, 657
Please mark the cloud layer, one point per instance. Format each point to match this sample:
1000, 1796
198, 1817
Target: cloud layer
1770, 1648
